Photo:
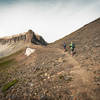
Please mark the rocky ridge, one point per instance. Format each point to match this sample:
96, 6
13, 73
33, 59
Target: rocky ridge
12, 44
29, 37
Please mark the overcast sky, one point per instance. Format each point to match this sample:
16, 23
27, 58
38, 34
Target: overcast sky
53, 19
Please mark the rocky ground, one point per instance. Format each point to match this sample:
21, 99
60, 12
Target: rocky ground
49, 74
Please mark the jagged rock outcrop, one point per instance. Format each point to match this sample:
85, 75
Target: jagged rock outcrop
33, 38
13, 38
12, 44
29, 36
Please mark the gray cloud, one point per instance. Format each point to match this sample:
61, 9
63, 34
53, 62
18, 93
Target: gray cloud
4, 2
82, 2
52, 19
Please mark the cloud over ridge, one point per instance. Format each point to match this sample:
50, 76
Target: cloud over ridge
52, 19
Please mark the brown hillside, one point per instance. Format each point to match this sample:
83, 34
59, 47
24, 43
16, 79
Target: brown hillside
49, 73
87, 41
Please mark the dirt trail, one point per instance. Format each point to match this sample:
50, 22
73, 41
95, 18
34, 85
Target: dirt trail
82, 79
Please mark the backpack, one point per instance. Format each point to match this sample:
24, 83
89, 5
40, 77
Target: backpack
73, 45
64, 45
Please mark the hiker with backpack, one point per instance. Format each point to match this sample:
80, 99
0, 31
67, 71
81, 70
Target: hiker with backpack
64, 46
72, 47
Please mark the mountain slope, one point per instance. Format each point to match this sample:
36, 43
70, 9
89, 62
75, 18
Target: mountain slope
87, 41
12, 44
52, 74
47, 74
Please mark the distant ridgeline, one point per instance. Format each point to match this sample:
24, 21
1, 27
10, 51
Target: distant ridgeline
29, 36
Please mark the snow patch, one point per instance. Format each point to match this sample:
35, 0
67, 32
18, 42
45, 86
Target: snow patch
29, 51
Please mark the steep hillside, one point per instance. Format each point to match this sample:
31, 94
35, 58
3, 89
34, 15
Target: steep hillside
49, 73
87, 41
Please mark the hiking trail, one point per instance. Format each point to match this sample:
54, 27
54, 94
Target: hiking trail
81, 77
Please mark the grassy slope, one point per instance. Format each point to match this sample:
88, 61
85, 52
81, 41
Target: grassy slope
7, 69
9, 61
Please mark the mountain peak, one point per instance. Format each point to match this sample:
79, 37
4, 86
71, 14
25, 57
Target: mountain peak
29, 37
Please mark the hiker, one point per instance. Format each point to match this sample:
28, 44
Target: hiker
72, 47
64, 46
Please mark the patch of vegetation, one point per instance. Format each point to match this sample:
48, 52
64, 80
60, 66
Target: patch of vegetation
8, 85
7, 63
10, 60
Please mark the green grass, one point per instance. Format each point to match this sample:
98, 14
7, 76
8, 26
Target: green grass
9, 85
7, 63
10, 60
